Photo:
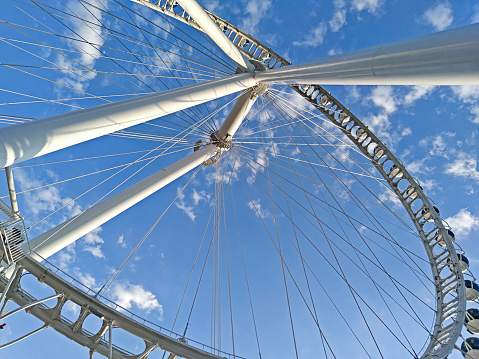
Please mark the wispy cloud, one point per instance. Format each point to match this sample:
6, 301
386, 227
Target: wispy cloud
317, 34
93, 243
121, 241
437, 144
200, 196
475, 14
87, 38
464, 166
439, 16
418, 92
314, 37
389, 196
255, 206
255, 10
66, 257
469, 95
44, 200
371, 6
213, 5
181, 204
339, 16
466, 93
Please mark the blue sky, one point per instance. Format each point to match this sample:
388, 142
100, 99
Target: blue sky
433, 130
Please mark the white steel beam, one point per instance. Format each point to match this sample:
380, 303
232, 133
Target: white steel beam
214, 32
66, 233
11, 190
446, 58
237, 114
24, 141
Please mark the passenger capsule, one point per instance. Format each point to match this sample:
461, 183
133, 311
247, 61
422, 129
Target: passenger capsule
324, 100
305, 87
411, 192
440, 239
361, 134
395, 171
470, 348
343, 117
378, 152
427, 216
472, 290
463, 262
243, 42
472, 320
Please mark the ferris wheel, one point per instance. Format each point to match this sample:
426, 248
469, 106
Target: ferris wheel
293, 248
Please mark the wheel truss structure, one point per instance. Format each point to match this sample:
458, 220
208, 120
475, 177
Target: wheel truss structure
441, 254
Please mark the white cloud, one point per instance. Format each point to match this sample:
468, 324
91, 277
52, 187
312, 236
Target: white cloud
121, 241
85, 278
418, 167
389, 196
44, 200
95, 251
378, 123
333, 52
126, 295
466, 93
469, 94
212, 5
439, 16
256, 165
382, 96
475, 14
339, 16
218, 177
71, 307
354, 94
464, 166
314, 37
463, 222
475, 112
87, 38
181, 204
255, 206
430, 185
94, 236
200, 196
93, 243
418, 92
255, 12
437, 145
371, 6
66, 257
338, 20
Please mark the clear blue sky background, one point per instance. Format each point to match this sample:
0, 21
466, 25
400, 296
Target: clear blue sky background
433, 130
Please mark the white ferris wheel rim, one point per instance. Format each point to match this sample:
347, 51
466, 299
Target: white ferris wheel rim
368, 143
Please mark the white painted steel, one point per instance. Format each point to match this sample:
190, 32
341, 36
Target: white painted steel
29, 305
11, 190
150, 335
214, 32
446, 58
68, 232
237, 114
3, 301
24, 337
110, 340
24, 141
